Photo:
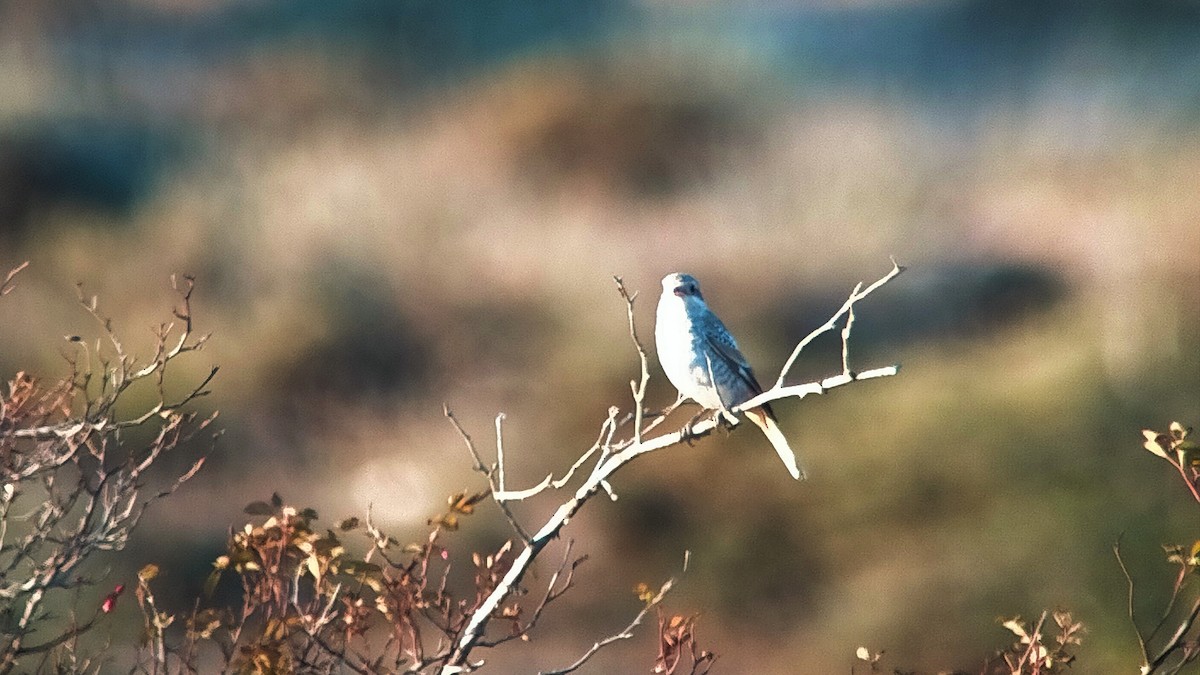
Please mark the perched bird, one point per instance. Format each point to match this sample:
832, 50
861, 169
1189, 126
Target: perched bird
702, 360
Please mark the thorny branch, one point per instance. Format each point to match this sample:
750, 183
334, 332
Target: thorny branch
616, 453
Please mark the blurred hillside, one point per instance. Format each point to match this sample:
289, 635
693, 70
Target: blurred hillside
391, 205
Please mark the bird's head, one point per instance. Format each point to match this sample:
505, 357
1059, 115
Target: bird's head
682, 285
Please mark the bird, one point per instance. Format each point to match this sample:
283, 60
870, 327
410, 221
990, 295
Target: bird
701, 358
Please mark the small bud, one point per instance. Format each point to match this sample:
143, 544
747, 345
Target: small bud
110, 600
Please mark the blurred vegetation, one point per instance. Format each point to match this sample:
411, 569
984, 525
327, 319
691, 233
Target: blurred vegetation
390, 205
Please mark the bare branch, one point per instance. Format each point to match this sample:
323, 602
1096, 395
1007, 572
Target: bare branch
66, 441
500, 452
638, 388
490, 474
1129, 602
624, 634
521, 495
857, 294
606, 431
1176, 641
479, 465
802, 390
846, 340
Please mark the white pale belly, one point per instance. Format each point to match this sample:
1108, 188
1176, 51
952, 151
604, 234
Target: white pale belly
677, 352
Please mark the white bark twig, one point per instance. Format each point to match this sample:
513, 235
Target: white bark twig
489, 473
857, 294
659, 418
522, 495
846, 340
638, 388
499, 453
819, 387
606, 432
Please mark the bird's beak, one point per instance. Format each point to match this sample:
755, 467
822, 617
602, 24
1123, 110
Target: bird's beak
679, 291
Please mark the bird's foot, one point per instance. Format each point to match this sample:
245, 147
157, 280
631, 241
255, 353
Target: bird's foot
686, 430
652, 414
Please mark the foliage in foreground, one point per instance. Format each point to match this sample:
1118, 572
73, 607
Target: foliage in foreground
75, 473
310, 604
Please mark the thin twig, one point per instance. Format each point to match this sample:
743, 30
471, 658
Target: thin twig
624, 634
7, 286
1186, 480
521, 495
638, 388
820, 387
1035, 641
500, 452
659, 418
490, 474
858, 294
606, 430
1176, 639
846, 340
479, 465
1129, 601
553, 591
1180, 576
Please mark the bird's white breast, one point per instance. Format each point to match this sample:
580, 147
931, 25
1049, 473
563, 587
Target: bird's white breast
676, 337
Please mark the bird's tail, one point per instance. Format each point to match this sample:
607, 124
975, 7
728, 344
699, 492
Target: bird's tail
766, 421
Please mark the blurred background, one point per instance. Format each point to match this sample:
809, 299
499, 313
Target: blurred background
390, 205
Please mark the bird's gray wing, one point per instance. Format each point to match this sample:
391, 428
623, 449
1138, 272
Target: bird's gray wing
725, 349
